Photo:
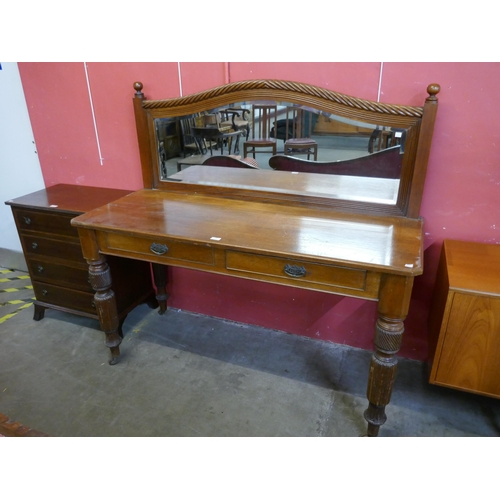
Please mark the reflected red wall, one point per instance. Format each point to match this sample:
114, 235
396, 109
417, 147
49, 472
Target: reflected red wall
459, 197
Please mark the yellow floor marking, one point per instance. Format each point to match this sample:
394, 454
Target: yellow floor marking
28, 287
4, 280
11, 315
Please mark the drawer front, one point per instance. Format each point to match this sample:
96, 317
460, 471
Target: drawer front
320, 274
170, 250
35, 245
49, 272
64, 297
56, 223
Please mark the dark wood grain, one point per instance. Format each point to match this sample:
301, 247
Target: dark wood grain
375, 243
53, 252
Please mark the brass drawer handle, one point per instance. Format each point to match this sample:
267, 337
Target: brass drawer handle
158, 248
295, 271
27, 220
34, 245
40, 269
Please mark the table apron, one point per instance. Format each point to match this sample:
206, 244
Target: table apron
288, 271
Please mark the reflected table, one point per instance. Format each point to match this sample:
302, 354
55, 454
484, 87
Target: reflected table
211, 135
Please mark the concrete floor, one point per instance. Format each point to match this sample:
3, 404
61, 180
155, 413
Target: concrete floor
184, 374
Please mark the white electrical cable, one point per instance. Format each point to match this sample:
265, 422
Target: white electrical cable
180, 78
380, 81
93, 114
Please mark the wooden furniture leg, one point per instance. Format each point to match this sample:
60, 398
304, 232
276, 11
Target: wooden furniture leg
104, 298
394, 299
39, 312
105, 303
160, 279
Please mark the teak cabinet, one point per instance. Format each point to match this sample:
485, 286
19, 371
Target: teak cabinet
53, 253
465, 319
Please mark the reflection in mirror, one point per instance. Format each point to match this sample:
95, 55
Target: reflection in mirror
314, 136
342, 131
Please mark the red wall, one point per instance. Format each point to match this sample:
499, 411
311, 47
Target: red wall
459, 198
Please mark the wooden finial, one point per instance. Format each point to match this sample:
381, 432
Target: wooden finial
138, 89
433, 89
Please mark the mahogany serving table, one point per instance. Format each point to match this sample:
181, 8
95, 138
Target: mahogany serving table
368, 256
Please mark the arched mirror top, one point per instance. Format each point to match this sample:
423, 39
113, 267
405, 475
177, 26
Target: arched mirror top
399, 196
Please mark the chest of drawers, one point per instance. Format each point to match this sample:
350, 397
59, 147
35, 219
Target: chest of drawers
465, 319
52, 250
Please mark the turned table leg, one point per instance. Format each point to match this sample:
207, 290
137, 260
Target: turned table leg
160, 279
394, 299
104, 298
105, 303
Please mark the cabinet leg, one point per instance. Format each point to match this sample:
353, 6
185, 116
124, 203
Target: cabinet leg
105, 302
394, 300
160, 279
39, 312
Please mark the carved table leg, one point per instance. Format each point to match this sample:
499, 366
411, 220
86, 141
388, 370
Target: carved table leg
104, 298
100, 279
160, 278
394, 299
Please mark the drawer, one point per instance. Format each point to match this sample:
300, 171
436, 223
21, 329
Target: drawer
35, 245
315, 274
65, 297
55, 223
171, 250
50, 272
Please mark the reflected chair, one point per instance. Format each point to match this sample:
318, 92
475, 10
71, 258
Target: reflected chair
190, 145
215, 139
263, 133
386, 138
238, 118
298, 133
228, 131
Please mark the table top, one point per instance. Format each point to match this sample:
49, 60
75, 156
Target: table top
379, 243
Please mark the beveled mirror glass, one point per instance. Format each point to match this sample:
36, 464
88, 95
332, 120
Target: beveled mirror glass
176, 134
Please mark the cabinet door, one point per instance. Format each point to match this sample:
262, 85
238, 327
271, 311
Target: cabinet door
470, 355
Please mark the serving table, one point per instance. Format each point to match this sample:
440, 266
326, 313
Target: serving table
366, 256
343, 234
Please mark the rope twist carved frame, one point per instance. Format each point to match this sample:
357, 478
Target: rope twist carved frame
287, 86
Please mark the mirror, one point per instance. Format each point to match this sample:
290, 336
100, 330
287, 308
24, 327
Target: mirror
176, 134
335, 138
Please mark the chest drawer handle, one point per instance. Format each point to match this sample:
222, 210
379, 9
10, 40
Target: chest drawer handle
27, 220
45, 292
34, 245
158, 248
295, 271
40, 269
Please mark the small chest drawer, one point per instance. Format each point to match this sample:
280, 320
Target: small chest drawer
296, 270
64, 297
32, 220
36, 245
46, 271
167, 249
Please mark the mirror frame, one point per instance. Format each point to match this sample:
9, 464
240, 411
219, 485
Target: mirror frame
419, 122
